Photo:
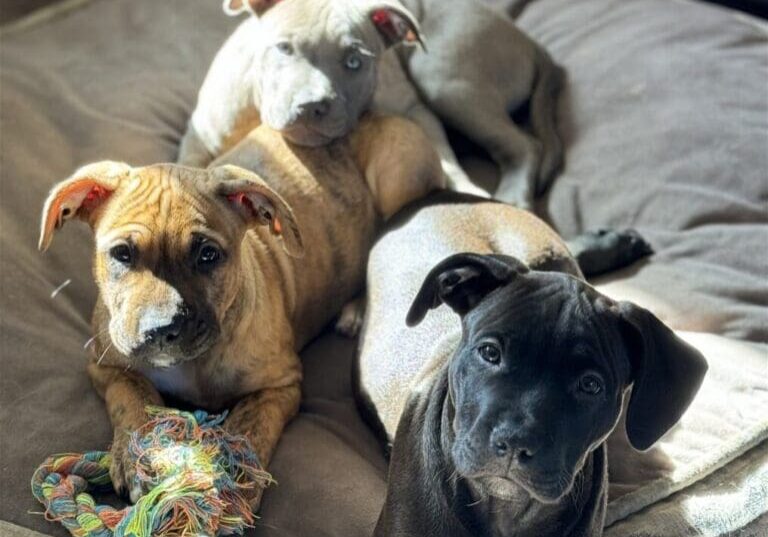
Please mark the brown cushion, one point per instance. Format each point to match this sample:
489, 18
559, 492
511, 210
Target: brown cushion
11, 10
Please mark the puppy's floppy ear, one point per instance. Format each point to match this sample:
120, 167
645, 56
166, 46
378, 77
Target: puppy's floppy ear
461, 281
254, 7
81, 196
258, 204
667, 373
395, 24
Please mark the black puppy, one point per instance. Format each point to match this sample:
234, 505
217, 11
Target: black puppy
499, 421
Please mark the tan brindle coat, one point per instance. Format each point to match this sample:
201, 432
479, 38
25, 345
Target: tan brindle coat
268, 304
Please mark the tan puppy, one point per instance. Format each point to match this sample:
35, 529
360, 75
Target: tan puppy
202, 294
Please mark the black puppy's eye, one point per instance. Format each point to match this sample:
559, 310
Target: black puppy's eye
490, 353
591, 384
285, 48
353, 61
122, 253
208, 256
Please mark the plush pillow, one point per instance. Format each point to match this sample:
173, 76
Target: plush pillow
665, 120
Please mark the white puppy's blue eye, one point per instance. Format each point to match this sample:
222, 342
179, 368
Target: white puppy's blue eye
353, 61
285, 47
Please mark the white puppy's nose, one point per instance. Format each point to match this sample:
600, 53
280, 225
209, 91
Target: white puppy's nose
316, 109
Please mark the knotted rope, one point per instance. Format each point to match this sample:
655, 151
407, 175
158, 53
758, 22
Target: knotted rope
194, 474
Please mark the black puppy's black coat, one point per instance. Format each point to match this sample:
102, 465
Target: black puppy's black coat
509, 439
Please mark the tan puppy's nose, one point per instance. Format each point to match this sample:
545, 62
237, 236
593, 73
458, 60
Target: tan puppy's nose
168, 334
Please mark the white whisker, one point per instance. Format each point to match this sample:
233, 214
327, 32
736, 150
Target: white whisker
92, 339
60, 287
98, 362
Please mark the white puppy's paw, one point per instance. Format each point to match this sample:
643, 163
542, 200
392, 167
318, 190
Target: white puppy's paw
350, 320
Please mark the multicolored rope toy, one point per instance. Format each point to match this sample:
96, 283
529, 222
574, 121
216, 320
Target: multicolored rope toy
195, 474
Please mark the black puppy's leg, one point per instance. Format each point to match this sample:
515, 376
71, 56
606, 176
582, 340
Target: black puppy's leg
604, 250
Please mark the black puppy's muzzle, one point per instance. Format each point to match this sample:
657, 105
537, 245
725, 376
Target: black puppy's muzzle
518, 453
509, 450
516, 447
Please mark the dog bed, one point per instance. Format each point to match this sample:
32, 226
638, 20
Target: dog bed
666, 123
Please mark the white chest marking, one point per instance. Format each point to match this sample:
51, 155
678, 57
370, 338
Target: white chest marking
179, 381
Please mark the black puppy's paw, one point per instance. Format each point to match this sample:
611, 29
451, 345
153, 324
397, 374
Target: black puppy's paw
605, 250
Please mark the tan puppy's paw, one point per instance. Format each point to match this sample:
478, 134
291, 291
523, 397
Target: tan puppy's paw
350, 320
122, 471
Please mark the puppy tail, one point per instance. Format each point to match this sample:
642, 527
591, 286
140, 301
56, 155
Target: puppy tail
549, 81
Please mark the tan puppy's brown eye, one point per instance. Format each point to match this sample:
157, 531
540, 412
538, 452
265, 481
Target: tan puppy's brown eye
208, 256
122, 253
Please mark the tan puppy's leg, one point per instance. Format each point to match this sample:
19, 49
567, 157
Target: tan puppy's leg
126, 394
388, 148
261, 417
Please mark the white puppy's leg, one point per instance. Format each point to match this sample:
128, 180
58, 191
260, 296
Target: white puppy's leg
226, 102
457, 178
193, 151
516, 153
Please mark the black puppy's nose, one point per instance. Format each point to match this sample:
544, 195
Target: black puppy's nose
169, 333
504, 444
316, 109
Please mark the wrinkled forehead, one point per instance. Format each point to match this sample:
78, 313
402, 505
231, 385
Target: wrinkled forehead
335, 24
162, 203
550, 314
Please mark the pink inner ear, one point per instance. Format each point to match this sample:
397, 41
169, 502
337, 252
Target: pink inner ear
383, 22
392, 26
95, 197
241, 199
